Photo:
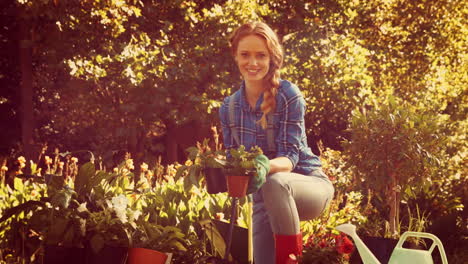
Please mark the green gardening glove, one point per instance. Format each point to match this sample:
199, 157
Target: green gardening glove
262, 164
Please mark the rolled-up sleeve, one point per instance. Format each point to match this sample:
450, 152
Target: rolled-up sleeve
291, 125
224, 119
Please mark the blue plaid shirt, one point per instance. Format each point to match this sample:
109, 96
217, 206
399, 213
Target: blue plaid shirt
288, 122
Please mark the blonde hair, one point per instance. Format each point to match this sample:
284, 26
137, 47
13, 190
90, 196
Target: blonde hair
271, 80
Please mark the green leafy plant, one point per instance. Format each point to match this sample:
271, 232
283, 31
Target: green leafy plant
18, 240
241, 161
392, 147
185, 248
181, 208
200, 158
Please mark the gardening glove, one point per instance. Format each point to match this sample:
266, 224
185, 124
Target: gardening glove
262, 165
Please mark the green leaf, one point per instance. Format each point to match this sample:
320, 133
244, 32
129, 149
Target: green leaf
98, 177
180, 171
187, 184
85, 173
61, 198
55, 181
18, 185
192, 153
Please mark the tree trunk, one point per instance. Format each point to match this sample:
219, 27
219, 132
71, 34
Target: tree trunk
394, 206
25, 55
392, 213
135, 146
397, 206
171, 145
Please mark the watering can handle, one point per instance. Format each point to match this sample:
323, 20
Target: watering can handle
436, 242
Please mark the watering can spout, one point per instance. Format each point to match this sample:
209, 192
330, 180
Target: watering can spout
366, 255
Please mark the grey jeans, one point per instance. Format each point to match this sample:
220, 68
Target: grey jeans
283, 201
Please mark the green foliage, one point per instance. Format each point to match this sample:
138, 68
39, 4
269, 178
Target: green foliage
183, 208
394, 141
345, 208
112, 75
113, 212
83, 181
16, 207
330, 69
135, 68
241, 161
200, 157
394, 147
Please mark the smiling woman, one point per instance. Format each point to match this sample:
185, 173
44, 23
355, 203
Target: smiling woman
253, 59
259, 56
269, 113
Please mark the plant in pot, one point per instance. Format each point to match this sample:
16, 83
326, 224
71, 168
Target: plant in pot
393, 148
239, 168
158, 244
64, 235
205, 163
109, 229
106, 213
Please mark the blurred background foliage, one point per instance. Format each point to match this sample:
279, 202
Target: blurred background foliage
147, 77
120, 75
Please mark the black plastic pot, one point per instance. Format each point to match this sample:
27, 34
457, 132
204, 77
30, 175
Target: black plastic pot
60, 255
108, 254
240, 240
215, 180
382, 249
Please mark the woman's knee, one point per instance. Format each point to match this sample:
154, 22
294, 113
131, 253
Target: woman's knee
275, 185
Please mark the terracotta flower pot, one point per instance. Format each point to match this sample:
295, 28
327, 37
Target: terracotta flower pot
237, 185
145, 256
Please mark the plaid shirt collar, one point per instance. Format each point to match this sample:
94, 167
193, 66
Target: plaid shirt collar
244, 105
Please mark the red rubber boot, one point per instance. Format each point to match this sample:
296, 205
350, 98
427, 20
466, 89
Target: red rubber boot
286, 245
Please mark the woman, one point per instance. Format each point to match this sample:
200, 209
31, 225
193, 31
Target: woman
269, 112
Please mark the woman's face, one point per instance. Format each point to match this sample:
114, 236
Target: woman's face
253, 58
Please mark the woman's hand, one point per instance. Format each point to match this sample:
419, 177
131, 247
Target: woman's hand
280, 164
262, 166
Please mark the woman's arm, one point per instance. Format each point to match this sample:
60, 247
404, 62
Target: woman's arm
291, 130
280, 164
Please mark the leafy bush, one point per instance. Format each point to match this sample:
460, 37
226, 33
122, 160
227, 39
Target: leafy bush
393, 147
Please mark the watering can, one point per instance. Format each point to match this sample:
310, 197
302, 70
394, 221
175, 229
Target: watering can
400, 255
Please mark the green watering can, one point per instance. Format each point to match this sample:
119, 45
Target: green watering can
400, 255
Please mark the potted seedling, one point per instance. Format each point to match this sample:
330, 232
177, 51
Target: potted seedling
240, 167
207, 163
155, 244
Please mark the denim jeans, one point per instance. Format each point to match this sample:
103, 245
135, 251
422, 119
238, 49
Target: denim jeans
283, 201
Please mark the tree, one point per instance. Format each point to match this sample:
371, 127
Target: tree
112, 75
393, 148
9, 80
